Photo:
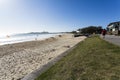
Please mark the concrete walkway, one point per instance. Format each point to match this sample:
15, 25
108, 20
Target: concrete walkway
113, 39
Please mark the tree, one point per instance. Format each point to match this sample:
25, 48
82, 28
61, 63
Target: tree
91, 30
74, 32
99, 29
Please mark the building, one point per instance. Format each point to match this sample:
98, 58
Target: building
114, 28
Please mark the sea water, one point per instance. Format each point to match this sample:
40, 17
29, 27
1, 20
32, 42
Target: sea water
17, 38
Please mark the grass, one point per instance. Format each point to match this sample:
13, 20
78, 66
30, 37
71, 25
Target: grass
92, 59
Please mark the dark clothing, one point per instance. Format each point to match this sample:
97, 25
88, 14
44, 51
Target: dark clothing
103, 32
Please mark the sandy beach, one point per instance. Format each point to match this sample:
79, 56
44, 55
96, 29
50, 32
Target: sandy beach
17, 60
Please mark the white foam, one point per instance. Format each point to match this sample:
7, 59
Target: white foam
24, 38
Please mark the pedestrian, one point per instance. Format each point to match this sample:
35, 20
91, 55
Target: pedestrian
103, 33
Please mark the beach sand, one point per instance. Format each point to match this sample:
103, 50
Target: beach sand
19, 59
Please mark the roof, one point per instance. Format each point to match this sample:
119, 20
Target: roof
113, 23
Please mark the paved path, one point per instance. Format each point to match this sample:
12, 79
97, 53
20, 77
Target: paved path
113, 39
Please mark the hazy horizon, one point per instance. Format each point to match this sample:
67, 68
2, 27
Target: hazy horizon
22, 16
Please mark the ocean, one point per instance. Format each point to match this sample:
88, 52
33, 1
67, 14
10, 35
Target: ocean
17, 38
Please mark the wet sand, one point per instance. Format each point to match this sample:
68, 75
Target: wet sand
17, 60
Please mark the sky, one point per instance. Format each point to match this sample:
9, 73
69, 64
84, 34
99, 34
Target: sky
22, 16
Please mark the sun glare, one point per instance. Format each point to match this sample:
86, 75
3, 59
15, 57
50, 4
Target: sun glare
5, 3
2, 2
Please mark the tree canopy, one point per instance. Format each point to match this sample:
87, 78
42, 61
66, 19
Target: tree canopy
91, 30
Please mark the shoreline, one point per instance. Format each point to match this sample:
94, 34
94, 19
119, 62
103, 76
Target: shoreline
20, 59
14, 40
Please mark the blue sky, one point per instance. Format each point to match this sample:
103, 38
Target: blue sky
19, 16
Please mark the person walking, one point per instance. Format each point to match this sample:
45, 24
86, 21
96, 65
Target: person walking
103, 33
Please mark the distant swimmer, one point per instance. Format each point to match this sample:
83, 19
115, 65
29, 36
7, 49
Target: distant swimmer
8, 36
36, 39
